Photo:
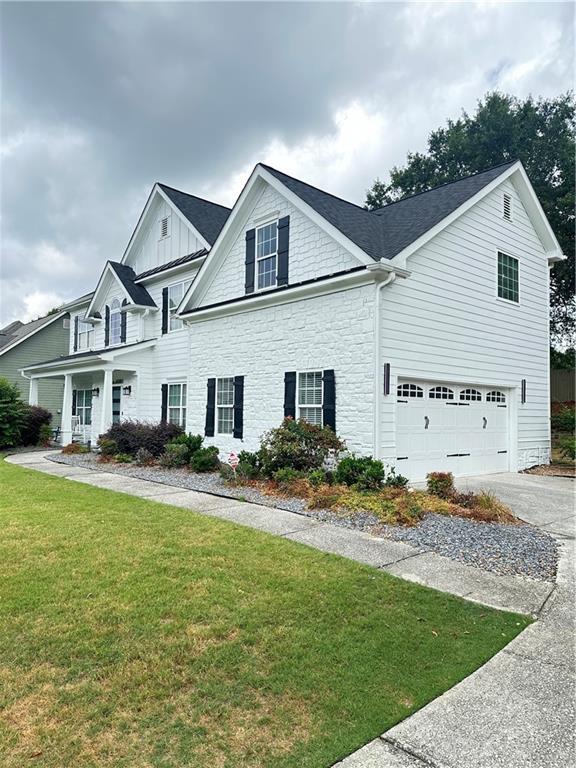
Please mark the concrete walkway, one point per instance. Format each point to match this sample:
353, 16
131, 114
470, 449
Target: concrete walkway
517, 711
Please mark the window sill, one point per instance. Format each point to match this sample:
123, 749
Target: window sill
510, 302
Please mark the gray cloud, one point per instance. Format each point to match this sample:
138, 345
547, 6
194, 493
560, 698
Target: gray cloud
99, 100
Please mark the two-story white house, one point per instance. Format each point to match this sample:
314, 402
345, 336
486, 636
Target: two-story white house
418, 331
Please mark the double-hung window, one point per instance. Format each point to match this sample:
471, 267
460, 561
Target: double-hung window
84, 406
310, 396
508, 278
85, 335
177, 404
225, 405
266, 255
115, 323
175, 295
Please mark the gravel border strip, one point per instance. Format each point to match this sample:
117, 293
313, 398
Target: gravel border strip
520, 550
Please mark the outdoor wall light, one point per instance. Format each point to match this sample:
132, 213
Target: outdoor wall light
96, 392
127, 390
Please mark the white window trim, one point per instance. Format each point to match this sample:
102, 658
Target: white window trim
81, 410
183, 407
321, 405
88, 332
115, 311
171, 312
261, 225
509, 302
218, 408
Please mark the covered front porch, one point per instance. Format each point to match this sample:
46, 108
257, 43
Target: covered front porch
100, 389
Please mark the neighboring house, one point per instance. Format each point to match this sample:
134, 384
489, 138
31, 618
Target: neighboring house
418, 331
24, 343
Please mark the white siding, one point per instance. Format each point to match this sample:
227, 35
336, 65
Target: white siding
328, 332
446, 322
312, 253
150, 250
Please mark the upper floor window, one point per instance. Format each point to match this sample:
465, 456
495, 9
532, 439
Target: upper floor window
507, 206
115, 323
85, 335
164, 227
508, 278
266, 255
175, 295
310, 396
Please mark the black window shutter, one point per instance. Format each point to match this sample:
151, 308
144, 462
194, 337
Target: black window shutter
165, 313
250, 260
283, 243
386, 379
107, 326
123, 320
329, 404
290, 394
76, 333
164, 411
74, 402
210, 408
523, 391
239, 407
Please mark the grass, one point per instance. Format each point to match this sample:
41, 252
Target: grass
134, 634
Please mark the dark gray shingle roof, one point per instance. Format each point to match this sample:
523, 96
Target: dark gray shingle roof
174, 263
387, 231
208, 218
138, 294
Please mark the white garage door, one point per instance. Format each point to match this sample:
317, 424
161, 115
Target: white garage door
451, 428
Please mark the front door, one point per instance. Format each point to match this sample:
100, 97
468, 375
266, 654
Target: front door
116, 404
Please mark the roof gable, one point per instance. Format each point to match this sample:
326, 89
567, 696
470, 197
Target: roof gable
135, 295
208, 218
15, 333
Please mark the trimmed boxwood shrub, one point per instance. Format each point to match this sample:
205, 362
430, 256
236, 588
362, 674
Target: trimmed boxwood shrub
296, 444
132, 435
205, 459
363, 472
193, 443
175, 455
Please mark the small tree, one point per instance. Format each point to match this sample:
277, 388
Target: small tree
13, 412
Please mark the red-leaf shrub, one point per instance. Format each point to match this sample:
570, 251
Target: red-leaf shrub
130, 436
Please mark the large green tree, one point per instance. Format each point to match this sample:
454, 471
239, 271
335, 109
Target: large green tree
539, 132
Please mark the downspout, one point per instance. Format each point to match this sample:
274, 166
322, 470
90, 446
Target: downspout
376, 430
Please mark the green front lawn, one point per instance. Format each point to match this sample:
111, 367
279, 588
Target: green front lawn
136, 634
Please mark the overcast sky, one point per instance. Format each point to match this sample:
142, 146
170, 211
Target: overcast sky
100, 100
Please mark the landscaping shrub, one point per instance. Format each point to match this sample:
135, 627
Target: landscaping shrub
73, 448
107, 446
44, 435
296, 444
205, 459
35, 419
567, 446
395, 481
227, 473
12, 414
317, 477
193, 443
440, 484
250, 463
143, 458
362, 472
123, 458
563, 419
175, 455
132, 435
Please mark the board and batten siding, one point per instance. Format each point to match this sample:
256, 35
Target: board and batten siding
47, 343
150, 250
312, 253
445, 321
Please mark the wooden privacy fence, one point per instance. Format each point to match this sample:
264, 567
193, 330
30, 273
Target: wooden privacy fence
562, 386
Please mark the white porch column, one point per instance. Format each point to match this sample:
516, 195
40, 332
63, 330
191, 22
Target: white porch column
67, 410
33, 392
106, 406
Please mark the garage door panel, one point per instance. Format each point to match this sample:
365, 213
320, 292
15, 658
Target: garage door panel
458, 429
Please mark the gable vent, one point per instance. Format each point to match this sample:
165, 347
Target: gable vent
164, 227
507, 207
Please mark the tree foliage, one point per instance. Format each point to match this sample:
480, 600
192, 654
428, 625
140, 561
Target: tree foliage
539, 132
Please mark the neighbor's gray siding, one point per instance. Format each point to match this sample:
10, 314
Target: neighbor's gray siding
47, 343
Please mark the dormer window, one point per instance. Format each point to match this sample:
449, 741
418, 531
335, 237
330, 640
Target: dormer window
507, 207
266, 255
85, 335
115, 323
164, 227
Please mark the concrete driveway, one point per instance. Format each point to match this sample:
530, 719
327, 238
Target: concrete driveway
518, 710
